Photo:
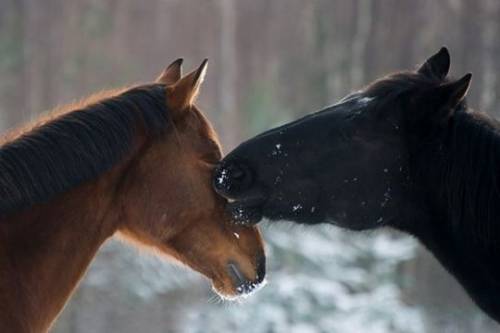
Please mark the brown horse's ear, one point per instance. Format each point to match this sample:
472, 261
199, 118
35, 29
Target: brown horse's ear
437, 66
184, 92
171, 74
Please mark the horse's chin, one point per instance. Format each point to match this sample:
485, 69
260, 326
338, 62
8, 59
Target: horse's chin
239, 294
245, 213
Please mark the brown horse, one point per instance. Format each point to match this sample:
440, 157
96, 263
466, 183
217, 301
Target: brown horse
136, 162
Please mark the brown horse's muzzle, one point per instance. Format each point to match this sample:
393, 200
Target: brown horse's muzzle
231, 256
242, 265
243, 284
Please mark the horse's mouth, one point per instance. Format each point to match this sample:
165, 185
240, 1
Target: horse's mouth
246, 212
241, 286
241, 292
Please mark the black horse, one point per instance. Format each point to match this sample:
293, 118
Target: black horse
404, 152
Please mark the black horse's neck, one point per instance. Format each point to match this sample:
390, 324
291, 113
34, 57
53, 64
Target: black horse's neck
459, 183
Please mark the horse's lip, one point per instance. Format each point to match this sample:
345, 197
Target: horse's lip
252, 198
242, 291
244, 287
247, 202
247, 211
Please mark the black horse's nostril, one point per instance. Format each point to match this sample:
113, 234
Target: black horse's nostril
237, 173
231, 178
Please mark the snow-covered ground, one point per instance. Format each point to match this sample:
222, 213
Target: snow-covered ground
321, 279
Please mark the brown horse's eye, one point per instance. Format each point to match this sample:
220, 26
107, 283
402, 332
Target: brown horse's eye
212, 157
210, 152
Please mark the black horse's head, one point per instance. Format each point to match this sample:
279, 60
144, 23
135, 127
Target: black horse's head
351, 163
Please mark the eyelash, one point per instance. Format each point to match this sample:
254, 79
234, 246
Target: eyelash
214, 156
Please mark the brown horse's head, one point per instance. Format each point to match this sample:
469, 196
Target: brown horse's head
169, 202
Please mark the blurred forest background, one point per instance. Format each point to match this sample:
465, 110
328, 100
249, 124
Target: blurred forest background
270, 61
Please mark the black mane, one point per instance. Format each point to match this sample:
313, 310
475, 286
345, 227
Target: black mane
77, 146
462, 161
472, 180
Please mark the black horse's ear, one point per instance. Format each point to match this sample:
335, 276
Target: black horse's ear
444, 99
437, 66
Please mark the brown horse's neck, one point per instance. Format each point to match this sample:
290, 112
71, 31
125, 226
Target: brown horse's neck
45, 251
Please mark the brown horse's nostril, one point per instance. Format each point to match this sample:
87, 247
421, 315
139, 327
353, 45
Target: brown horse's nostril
236, 275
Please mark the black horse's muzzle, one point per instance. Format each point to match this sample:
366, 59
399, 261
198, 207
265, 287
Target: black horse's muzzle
232, 179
